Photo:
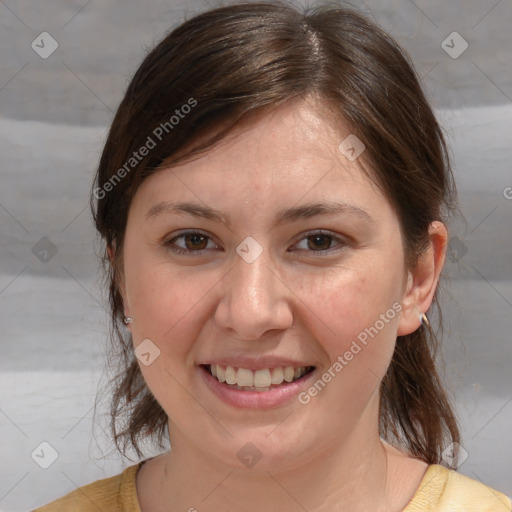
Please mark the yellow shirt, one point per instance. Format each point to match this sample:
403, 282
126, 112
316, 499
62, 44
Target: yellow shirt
440, 490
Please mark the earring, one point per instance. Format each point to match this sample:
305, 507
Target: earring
128, 320
423, 318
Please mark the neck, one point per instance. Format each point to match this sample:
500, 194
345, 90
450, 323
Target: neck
351, 476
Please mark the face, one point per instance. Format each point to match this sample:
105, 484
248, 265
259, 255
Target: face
273, 251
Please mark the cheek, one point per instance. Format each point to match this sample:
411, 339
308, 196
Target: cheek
169, 308
355, 324
159, 297
352, 298
167, 304
353, 313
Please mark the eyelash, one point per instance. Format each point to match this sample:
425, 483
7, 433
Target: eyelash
178, 250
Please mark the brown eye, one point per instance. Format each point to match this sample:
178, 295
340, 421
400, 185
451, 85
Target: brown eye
195, 241
190, 242
319, 242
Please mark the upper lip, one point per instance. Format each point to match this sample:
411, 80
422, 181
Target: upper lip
255, 363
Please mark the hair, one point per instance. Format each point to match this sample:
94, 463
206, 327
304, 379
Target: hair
220, 68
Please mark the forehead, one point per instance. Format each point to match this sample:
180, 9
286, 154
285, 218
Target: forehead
278, 156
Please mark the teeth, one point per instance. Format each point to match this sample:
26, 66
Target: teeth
261, 378
230, 375
299, 372
277, 376
289, 372
221, 374
245, 378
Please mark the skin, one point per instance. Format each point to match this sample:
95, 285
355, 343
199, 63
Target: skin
289, 302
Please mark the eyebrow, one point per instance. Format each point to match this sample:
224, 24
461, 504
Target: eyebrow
285, 215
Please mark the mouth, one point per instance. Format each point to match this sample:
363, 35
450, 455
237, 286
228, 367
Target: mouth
262, 380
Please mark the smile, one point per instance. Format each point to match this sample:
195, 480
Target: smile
266, 379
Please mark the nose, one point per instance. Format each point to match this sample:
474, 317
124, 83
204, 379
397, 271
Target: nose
254, 300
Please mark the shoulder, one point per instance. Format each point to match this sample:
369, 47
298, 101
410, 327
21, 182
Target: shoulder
441, 489
112, 494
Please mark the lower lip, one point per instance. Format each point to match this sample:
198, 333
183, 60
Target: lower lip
255, 399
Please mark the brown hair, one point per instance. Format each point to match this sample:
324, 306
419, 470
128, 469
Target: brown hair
230, 63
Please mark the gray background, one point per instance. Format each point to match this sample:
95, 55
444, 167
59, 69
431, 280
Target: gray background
54, 116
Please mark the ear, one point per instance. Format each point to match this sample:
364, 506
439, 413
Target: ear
111, 251
423, 279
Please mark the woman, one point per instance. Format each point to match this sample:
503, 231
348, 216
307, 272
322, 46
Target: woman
271, 196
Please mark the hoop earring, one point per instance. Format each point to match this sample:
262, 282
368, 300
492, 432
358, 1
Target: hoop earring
128, 320
424, 319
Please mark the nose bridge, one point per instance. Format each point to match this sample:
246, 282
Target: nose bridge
253, 281
254, 299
